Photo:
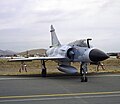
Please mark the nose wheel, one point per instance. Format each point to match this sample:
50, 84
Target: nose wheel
83, 72
84, 79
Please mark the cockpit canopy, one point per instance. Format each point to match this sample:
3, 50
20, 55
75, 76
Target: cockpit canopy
79, 43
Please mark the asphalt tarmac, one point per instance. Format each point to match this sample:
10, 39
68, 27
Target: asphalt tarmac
100, 89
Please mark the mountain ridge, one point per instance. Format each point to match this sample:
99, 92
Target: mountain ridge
7, 52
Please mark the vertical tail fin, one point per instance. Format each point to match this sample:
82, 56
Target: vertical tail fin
54, 39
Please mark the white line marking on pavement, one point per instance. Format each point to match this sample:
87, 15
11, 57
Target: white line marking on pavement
13, 78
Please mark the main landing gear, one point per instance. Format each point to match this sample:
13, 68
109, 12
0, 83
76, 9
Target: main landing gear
43, 67
83, 72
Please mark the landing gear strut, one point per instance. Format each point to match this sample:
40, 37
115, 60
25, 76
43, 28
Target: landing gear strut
83, 72
43, 67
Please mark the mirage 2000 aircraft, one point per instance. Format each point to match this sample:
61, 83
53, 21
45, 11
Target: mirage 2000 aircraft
77, 51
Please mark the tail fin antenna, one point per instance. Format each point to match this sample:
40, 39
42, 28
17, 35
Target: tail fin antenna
54, 39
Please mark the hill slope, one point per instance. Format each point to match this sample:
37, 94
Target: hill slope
39, 52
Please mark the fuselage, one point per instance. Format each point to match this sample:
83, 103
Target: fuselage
77, 53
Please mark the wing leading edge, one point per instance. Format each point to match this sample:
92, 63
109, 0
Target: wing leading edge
37, 58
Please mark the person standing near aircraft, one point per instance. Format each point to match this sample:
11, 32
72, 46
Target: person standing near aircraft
100, 64
23, 67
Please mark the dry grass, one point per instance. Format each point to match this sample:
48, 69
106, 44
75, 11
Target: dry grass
11, 68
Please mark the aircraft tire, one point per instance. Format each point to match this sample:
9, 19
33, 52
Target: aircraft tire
43, 73
86, 79
82, 79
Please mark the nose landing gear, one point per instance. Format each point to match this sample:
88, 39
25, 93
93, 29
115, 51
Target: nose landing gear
83, 72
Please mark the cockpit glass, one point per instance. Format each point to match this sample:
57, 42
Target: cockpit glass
79, 43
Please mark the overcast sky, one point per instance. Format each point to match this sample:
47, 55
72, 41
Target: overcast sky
25, 24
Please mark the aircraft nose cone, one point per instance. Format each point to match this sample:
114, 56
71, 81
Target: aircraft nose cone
96, 55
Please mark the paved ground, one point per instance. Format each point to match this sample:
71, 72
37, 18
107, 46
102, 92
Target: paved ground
100, 89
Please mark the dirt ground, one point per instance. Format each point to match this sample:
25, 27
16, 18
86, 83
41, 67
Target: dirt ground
33, 67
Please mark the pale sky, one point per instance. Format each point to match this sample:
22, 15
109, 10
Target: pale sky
25, 24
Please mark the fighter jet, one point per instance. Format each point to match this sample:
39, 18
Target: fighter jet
78, 51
